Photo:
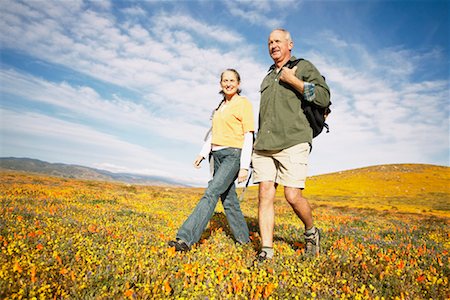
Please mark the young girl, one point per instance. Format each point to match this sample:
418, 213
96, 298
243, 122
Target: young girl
231, 144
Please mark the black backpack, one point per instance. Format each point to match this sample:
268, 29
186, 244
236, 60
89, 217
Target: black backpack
315, 114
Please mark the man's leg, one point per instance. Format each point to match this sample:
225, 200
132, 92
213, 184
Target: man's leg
300, 205
303, 210
266, 212
265, 173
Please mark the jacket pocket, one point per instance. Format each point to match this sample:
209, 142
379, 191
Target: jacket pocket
264, 85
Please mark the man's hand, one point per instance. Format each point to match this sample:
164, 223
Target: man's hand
288, 75
198, 161
242, 176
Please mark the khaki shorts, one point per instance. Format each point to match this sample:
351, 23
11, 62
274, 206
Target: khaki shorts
287, 167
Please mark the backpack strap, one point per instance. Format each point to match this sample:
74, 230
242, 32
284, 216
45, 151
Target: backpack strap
290, 64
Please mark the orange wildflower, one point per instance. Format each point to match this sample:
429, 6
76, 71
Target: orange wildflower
58, 259
51, 210
171, 251
17, 267
129, 293
167, 287
346, 289
63, 271
299, 245
92, 228
33, 274
268, 289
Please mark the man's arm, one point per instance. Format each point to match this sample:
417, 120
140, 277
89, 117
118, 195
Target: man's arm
312, 86
288, 76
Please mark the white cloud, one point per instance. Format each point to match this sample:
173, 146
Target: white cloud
254, 17
54, 138
135, 11
85, 103
45, 127
104, 4
261, 12
168, 26
131, 56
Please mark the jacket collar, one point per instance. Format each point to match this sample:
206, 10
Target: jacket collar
290, 64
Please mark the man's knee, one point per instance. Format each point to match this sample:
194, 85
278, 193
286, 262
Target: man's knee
267, 186
293, 195
266, 193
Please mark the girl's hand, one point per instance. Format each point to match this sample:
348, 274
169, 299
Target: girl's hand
242, 176
198, 161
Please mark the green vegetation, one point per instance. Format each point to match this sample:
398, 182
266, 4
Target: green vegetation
73, 239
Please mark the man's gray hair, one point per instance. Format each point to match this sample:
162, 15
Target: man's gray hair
287, 33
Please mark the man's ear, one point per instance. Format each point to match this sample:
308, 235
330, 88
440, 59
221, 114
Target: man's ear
291, 45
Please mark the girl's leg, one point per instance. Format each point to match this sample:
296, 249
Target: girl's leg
224, 175
234, 214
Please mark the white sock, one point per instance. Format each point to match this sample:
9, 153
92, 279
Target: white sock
269, 251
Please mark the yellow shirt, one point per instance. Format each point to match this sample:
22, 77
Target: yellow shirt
231, 121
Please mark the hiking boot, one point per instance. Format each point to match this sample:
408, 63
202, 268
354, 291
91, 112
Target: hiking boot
312, 243
180, 245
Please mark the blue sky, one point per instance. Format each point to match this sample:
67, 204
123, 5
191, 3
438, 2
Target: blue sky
129, 86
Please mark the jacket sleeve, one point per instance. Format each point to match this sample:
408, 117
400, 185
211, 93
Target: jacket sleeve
308, 72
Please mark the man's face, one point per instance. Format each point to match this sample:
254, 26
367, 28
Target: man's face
279, 46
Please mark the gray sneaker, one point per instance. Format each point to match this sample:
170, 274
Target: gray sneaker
261, 258
312, 243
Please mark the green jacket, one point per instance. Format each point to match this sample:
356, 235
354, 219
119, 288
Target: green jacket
282, 123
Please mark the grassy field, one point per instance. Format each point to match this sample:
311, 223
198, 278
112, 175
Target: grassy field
385, 236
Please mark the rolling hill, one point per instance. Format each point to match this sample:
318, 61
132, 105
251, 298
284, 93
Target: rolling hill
406, 187
416, 188
412, 188
79, 172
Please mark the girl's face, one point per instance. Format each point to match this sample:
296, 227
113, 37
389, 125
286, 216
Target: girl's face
229, 83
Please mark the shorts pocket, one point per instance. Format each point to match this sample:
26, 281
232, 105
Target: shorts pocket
300, 154
298, 158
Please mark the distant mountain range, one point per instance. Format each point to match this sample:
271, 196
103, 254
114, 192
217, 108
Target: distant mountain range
80, 172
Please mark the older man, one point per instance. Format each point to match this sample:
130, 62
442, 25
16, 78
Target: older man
284, 139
